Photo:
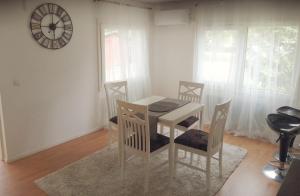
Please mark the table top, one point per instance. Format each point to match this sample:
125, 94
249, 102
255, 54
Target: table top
175, 116
149, 100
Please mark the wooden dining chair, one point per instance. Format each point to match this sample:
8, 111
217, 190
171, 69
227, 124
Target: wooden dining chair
135, 136
203, 143
190, 91
114, 91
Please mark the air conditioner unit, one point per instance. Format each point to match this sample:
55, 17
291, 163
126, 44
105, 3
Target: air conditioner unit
172, 17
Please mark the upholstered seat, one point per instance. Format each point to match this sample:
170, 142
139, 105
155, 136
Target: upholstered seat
188, 122
114, 119
193, 138
155, 144
284, 124
159, 142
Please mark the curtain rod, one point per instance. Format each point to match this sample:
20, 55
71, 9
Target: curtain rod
118, 2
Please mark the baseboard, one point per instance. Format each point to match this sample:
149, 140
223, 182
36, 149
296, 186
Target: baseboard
32, 152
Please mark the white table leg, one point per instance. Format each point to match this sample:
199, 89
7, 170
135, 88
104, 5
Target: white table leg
201, 120
171, 151
120, 146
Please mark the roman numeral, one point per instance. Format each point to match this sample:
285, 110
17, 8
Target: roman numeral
38, 35
55, 44
54, 8
66, 18
42, 39
36, 16
61, 41
51, 8
45, 42
35, 26
50, 43
68, 27
59, 11
66, 35
43, 10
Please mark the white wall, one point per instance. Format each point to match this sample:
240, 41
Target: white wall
48, 96
172, 58
2, 133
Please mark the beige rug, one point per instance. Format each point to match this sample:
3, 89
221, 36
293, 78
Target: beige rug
99, 174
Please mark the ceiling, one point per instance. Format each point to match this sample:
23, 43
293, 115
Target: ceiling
158, 1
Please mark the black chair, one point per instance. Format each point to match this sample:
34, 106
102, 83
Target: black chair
287, 126
289, 111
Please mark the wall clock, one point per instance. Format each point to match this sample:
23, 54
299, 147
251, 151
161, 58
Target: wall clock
51, 26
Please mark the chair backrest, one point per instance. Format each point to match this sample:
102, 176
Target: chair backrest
190, 91
134, 126
115, 91
215, 138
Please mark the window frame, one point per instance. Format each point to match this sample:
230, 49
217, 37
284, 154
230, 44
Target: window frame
243, 33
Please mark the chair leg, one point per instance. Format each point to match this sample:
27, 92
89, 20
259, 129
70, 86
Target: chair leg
201, 120
185, 153
220, 161
120, 147
198, 159
208, 159
191, 158
110, 134
178, 132
171, 170
161, 130
122, 161
175, 161
146, 185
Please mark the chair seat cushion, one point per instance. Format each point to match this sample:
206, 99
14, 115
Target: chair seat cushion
114, 119
284, 124
159, 142
193, 138
155, 144
188, 122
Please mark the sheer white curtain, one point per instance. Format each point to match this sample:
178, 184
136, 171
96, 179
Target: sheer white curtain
124, 50
248, 51
125, 46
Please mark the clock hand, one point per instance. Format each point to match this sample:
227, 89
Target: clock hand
57, 22
52, 18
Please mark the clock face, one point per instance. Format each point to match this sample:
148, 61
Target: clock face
51, 26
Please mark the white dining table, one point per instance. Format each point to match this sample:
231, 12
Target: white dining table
172, 118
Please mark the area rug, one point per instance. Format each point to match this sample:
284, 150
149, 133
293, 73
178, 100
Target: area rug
99, 175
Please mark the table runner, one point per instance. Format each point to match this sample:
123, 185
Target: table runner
163, 106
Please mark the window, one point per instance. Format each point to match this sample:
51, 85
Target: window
261, 71
265, 62
270, 58
113, 69
220, 51
125, 54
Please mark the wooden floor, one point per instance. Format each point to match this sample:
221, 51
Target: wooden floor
247, 180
